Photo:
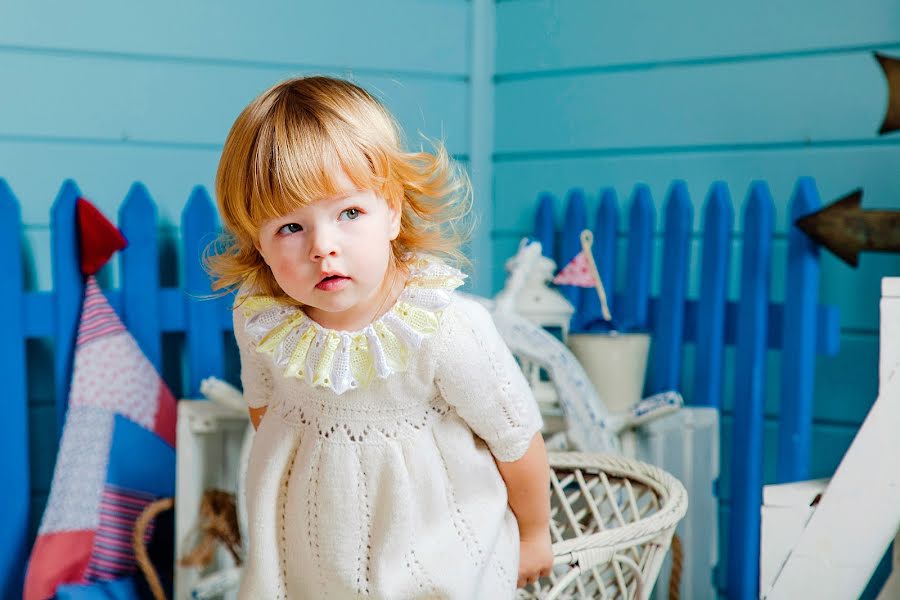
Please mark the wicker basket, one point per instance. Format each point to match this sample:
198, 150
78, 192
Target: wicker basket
612, 521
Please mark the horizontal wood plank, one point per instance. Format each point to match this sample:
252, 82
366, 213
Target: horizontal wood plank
188, 104
536, 37
340, 33
809, 99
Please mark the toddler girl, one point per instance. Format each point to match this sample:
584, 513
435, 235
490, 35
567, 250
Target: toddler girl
398, 451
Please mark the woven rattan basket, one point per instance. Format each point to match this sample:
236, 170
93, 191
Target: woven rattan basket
612, 520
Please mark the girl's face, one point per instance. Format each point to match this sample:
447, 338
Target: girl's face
332, 256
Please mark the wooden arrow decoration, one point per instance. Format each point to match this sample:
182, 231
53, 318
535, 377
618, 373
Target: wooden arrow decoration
846, 229
891, 68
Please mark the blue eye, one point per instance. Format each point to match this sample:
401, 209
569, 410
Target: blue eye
352, 213
290, 228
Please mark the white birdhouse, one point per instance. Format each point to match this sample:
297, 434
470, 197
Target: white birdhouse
526, 289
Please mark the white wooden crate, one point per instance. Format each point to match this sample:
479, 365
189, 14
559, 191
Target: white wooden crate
686, 444
209, 438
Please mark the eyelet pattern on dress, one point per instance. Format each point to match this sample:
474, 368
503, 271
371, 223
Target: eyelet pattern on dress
339, 426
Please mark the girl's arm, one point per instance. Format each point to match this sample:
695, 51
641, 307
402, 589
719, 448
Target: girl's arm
478, 375
528, 485
528, 488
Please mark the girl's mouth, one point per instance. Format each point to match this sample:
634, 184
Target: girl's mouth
332, 283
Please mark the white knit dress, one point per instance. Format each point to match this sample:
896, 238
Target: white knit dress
372, 474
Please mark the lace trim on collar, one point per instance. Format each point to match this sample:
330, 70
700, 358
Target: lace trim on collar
343, 360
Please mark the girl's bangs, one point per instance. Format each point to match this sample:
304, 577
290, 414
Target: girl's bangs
295, 171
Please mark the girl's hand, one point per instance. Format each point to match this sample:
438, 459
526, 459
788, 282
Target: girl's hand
535, 557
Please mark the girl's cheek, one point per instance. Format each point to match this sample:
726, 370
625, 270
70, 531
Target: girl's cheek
290, 246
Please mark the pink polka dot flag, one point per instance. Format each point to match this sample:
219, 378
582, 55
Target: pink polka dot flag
577, 273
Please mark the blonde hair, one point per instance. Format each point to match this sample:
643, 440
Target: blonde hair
283, 152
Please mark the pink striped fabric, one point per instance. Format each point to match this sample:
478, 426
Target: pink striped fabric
113, 554
97, 318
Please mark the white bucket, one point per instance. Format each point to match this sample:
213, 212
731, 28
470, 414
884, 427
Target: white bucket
615, 363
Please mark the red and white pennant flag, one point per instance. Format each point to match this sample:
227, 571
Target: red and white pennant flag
577, 273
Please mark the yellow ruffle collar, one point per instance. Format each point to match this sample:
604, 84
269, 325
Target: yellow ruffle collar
343, 360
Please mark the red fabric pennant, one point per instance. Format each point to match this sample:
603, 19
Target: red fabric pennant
98, 238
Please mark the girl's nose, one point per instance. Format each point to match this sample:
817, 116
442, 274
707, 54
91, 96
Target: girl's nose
323, 244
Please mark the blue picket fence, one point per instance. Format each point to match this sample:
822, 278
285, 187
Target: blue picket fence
753, 324
147, 309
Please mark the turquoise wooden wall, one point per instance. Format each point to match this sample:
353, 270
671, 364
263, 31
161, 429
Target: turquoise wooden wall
594, 94
107, 94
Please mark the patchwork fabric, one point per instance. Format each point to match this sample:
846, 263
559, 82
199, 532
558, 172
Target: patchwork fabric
80, 472
116, 455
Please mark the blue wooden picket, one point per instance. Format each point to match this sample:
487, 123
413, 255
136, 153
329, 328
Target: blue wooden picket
139, 269
798, 359
718, 217
68, 289
665, 363
749, 396
204, 326
641, 223
16, 496
607, 242
753, 324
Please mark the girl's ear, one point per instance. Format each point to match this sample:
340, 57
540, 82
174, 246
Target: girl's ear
258, 247
395, 214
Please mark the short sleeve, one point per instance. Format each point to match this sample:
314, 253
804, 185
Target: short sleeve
256, 378
478, 375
